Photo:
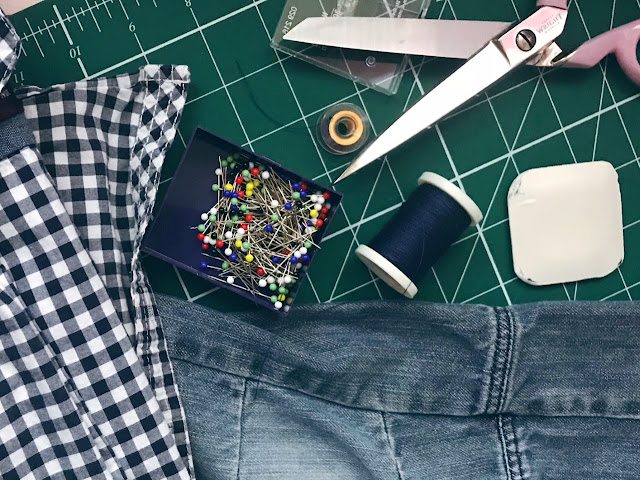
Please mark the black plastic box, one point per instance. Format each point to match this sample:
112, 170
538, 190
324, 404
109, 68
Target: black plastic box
171, 236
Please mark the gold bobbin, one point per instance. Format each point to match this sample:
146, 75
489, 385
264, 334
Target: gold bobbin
343, 129
353, 124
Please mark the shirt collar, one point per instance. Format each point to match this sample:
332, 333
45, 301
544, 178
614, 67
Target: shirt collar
9, 49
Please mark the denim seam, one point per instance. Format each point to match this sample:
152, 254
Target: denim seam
391, 452
499, 364
503, 445
511, 454
274, 384
242, 402
493, 363
517, 449
508, 360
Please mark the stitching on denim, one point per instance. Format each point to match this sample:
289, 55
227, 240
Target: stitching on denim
511, 452
517, 450
496, 367
508, 361
244, 397
503, 444
493, 362
393, 456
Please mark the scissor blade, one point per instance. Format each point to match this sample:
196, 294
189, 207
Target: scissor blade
414, 36
480, 72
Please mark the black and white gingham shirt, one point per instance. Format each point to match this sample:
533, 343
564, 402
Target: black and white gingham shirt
86, 385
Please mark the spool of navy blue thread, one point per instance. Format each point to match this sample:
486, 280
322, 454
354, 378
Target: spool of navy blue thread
427, 224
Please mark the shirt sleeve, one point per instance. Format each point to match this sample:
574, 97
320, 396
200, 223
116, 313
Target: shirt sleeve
75, 401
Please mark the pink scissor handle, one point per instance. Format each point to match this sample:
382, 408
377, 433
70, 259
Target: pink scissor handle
553, 3
622, 42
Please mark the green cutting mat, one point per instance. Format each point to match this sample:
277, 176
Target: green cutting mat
245, 91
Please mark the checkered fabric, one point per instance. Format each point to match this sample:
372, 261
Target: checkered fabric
86, 385
9, 48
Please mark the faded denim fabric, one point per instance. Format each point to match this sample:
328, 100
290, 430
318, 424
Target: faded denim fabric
410, 391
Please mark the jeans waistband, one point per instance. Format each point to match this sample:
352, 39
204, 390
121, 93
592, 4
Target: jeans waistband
555, 359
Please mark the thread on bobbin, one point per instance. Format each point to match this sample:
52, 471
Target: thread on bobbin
436, 214
343, 129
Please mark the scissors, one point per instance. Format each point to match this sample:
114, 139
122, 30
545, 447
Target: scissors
532, 41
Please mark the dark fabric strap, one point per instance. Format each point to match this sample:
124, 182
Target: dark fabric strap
15, 134
9, 105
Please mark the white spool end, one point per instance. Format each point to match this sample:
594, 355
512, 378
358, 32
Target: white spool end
454, 192
387, 271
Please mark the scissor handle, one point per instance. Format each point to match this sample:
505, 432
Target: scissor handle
622, 42
553, 3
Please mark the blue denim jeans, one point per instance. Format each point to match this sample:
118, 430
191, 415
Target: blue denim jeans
409, 391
